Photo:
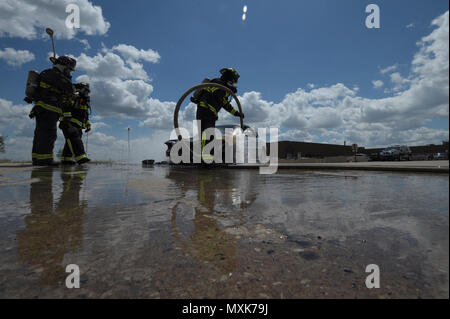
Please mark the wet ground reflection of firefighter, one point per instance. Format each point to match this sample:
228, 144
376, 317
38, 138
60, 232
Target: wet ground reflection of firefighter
209, 241
52, 231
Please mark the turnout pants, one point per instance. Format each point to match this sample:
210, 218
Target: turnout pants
73, 148
44, 137
206, 121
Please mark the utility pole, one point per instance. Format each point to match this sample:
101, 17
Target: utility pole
355, 149
129, 143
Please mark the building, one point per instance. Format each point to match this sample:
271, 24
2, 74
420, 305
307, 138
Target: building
296, 150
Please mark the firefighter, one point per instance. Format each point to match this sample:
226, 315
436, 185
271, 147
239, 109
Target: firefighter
72, 124
54, 98
211, 99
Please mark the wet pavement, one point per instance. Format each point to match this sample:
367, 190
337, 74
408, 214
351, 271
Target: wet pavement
171, 232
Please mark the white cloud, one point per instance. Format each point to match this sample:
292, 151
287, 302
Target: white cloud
389, 69
409, 26
100, 147
110, 65
333, 113
16, 57
104, 147
377, 84
98, 125
120, 85
399, 82
15, 118
86, 44
131, 53
420, 98
29, 18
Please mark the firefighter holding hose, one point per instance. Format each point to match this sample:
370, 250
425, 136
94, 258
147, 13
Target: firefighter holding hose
211, 100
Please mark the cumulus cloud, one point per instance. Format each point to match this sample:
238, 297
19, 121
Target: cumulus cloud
15, 118
16, 57
399, 82
29, 18
86, 44
120, 85
332, 113
420, 98
377, 84
98, 125
389, 69
100, 147
131, 53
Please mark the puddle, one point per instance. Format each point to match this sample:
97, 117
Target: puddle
168, 232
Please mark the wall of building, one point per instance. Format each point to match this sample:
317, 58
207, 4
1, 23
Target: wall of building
288, 149
293, 150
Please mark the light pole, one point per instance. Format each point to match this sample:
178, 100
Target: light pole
129, 143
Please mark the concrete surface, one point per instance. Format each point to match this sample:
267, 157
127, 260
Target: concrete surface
402, 166
172, 232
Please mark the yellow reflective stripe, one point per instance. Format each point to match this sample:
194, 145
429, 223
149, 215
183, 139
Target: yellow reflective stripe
203, 140
43, 156
70, 147
205, 155
67, 114
84, 107
211, 89
208, 106
80, 157
233, 111
74, 120
81, 175
66, 158
49, 107
49, 87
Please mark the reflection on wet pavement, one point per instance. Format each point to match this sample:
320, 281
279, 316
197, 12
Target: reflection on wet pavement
172, 232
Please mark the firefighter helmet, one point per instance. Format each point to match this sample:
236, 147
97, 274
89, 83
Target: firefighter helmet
230, 74
67, 61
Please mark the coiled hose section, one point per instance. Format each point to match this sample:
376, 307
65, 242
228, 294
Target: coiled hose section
201, 86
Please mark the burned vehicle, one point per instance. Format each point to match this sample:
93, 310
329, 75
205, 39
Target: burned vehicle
237, 147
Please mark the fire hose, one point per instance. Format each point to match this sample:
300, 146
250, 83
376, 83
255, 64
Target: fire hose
201, 86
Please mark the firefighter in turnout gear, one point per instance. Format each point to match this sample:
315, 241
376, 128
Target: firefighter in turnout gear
53, 99
211, 100
72, 124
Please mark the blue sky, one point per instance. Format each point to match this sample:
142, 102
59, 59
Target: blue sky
321, 48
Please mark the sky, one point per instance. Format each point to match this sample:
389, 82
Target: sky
311, 68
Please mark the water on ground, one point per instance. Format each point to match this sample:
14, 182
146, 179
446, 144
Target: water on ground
172, 232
